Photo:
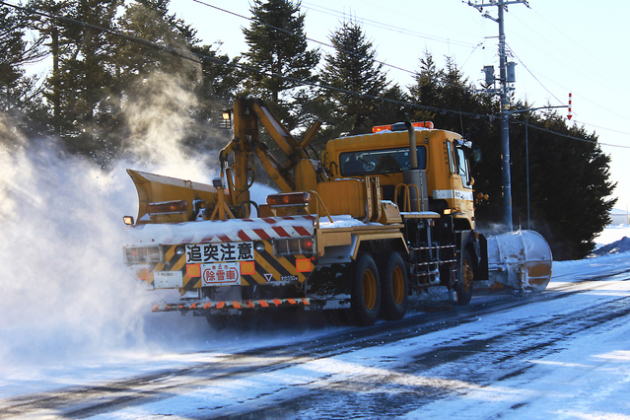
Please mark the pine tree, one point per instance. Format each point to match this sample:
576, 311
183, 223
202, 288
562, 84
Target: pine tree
569, 179
277, 47
82, 75
17, 91
425, 90
16, 53
570, 189
150, 20
353, 69
215, 93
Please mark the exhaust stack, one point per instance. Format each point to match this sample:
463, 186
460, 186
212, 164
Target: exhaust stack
415, 176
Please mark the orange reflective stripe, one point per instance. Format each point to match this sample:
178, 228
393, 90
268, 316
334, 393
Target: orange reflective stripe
278, 302
207, 305
291, 301
236, 304
220, 305
263, 304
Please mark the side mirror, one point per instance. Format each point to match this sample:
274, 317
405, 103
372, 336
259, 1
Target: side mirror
476, 155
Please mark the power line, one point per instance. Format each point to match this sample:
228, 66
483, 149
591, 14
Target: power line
587, 52
195, 57
580, 66
532, 74
603, 128
191, 55
597, 143
174, 50
293, 33
383, 63
386, 26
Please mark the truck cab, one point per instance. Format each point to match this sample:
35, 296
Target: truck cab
443, 157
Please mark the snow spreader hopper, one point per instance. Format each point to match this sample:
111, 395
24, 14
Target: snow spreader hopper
379, 220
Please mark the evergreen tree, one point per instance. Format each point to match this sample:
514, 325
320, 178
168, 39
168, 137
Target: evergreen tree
425, 90
150, 20
17, 92
221, 81
353, 69
215, 93
193, 69
569, 201
82, 75
278, 47
16, 53
395, 106
95, 73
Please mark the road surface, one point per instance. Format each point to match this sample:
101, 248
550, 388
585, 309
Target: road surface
559, 354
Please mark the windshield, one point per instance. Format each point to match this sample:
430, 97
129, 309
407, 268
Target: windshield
383, 161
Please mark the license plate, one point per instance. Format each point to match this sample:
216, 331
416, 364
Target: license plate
219, 252
168, 279
220, 274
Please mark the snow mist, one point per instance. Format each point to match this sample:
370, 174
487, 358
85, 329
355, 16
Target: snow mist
62, 279
65, 294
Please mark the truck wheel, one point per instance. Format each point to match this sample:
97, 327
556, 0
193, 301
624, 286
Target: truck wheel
464, 287
365, 301
394, 288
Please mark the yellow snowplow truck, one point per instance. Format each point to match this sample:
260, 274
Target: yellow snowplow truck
380, 219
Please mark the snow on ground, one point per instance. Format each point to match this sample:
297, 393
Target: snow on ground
587, 381
612, 234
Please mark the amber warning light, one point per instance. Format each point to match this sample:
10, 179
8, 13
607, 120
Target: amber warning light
419, 124
167, 207
288, 199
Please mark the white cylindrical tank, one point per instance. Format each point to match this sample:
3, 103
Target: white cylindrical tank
519, 260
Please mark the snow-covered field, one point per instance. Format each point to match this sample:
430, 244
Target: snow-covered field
612, 234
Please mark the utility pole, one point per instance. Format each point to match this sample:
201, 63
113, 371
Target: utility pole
504, 92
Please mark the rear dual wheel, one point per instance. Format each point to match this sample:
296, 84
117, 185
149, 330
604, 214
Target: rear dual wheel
394, 287
377, 291
365, 293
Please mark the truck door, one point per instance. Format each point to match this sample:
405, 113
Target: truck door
463, 193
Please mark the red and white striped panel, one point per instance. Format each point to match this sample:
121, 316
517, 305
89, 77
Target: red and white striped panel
233, 230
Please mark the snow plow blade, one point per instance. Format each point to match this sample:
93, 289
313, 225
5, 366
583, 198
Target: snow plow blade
519, 260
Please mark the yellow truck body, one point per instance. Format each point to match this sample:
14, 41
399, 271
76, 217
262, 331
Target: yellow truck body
380, 219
